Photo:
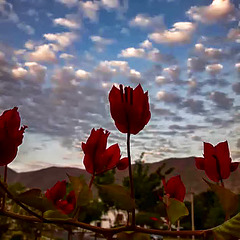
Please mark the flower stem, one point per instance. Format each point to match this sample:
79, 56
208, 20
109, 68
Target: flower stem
70, 235
91, 181
5, 181
130, 176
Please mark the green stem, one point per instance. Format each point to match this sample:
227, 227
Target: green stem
130, 176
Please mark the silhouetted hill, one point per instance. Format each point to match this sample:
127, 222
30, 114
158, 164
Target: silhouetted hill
192, 177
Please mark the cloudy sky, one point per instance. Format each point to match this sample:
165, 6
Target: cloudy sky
59, 59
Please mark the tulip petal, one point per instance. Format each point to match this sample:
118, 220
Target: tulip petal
234, 166
175, 188
210, 164
109, 160
140, 114
208, 149
123, 164
223, 156
118, 110
88, 163
199, 162
57, 192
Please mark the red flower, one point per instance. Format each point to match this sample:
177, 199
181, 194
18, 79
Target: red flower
56, 195
10, 135
175, 188
216, 162
129, 108
97, 158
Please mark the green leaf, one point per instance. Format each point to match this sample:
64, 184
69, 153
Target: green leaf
228, 229
133, 236
54, 214
228, 199
81, 189
33, 198
119, 195
175, 210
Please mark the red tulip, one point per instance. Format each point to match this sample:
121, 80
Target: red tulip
216, 162
10, 135
97, 158
56, 195
129, 108
175, 188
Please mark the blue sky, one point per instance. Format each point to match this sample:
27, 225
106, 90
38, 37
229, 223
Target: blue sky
60, 58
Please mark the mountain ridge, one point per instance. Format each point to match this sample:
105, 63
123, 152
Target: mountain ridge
191, 176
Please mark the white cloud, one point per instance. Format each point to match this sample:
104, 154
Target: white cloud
2, 56
7, 13
146, 44
105, 67
121, 65
19, 72
237, 66
68, 3
110, 3
63, 39
234, 34
64, 78
66, 56
214, 53
199, 47
101, 40
29, 45
217, 10
82, 74
214, 69
169, 98
90, 10
43, 53
20, 51
108, 69
68, 22
155, 55
160, 80
37, 72
134, 75
101, 43
173, 72
180, 33
132, 52
26, 28
145, 21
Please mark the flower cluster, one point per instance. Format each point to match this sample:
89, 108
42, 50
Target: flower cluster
57, 195
130, 111
216, 161
98, 159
